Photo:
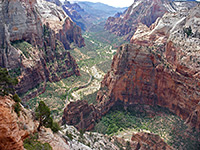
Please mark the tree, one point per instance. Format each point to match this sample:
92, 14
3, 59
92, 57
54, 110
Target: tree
43, 113
6, 82
188, 31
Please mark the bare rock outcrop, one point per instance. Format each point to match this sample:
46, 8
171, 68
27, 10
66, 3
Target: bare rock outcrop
14, 129
149, 141
55, 140
80, 114
142, 141
145, 12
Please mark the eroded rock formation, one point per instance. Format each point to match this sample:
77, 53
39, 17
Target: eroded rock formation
143, 141
142, 11
33, 39
14, 129
80, 114
158, 68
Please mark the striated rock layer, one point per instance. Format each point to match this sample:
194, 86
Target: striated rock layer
33, 37
142, 11
143, 141
14, 129
80, 114
139, 77
160, 67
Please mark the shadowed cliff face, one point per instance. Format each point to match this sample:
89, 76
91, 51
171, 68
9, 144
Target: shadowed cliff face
139, 77
144, 141
157, 68
33, 39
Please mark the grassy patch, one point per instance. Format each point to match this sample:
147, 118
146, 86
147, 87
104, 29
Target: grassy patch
56, 93
167, 125
105, 66
32, 143
91, 98
23, 46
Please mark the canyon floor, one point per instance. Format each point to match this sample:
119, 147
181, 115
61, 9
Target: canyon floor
94, 60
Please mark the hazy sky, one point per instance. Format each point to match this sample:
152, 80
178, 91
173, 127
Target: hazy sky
116, 3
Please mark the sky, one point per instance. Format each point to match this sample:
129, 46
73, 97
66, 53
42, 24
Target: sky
115, 3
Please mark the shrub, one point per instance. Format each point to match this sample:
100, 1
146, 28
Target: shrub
32, 143
6, 82
55, 127
16, 98
43, 115
69, 135
188, 31
17, 108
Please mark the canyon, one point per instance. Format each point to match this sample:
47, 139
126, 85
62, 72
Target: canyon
34, 38
59, 52
159, 67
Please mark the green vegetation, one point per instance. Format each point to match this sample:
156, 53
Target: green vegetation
69, 135
188, 31
105, 66
98, 49
56, 93
167, 125
32, 143
91, 98
55, 127
6, 82
15, 72
16, 98
17, 108
6, 88
24, 46
42, 114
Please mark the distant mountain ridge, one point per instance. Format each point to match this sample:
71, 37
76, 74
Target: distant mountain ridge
96, 12
86, 14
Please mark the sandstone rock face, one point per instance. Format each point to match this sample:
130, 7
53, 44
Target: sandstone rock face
142, 11
66, 30
14, 129
139, 77
143, 141
149, 141
57, 2
31, 39
56, 141
80, 114
152, 71
72, 33
74, 11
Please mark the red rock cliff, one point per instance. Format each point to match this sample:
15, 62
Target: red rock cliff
159, 68
13, 129
33, 42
